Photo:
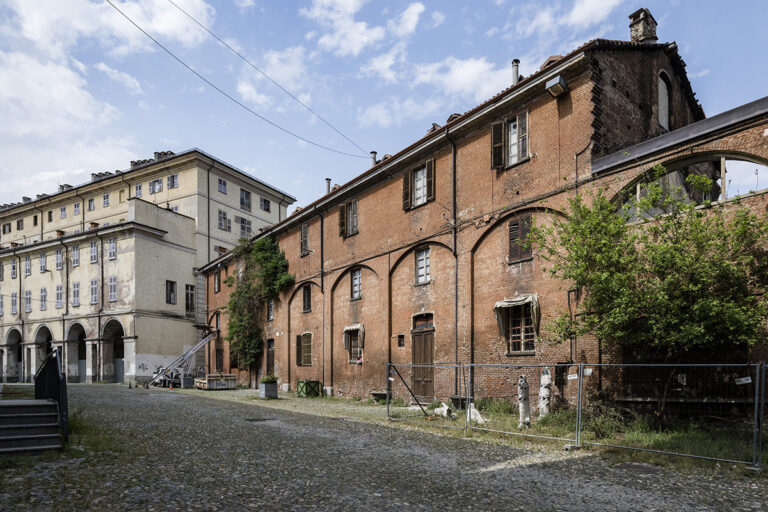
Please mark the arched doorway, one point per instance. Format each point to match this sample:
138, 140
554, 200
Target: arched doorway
77, 335
15, 365
43, 346
114, 347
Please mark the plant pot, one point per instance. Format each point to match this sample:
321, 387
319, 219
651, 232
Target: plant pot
268, 390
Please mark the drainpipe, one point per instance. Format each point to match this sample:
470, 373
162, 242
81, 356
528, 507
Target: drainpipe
65, 293
83, 207
122, 178
21, 318
101, 305
41, 223
322, 290
454, 232
208, 208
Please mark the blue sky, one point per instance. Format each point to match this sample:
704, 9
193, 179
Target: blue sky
82, 90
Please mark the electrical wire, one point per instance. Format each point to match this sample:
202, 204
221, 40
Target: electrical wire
230, 97
265, 75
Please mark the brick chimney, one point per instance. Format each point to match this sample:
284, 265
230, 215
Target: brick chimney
642, 26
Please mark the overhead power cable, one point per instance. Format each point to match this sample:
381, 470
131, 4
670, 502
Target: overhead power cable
227, 95
265, 75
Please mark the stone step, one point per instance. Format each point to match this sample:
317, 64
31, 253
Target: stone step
30, 441
27, 430
31, 449
26, 407
26, 419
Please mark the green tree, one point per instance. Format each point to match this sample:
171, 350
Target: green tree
261, 275
661, 276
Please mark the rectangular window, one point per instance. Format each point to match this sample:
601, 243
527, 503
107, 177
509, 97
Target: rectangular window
356, 283
19, 224
75, 255
245, 200
304, 349
519, 229
304, 240
189, 299
353, 343
173, 181
34, 220
43, 262
7, 227
1, 306
63, 212
137, 190
28, 301
75, 294
245, 226
521, 335
91, 204
105, 200
225, 224
265, 204
348, 219
94, 251
112, 288
222, 185
13, 268
217, 281
307, 299
155, 186
270, 310
112, 248
14, 303
94, 291
509, 141
170, 292
419, 186
59, 296
76, 209
59, 259
422, 266
27, 265
43, 299
50, 215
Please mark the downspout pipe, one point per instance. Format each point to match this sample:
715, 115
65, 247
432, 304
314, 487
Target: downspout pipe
83, 207
101, 304
128, 185
322, 290
208, 208
454, 232
21, 317
65, 293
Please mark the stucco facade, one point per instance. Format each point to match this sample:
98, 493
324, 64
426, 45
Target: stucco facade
108, 270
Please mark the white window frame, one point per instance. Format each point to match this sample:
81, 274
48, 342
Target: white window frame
43, 262
137, 190
105, 200
27, 265
112, 288
112, 248
265, 204
419, 194
517, 138
43, 299
94, 291
356, 284
225, 223
222, 185
63, 212
155, 186
76, 208
91, 204
173, 181
270, 310
422, 266
76, 293
94, 251
27, 301
246, 200
59, 296
59, 259
14, 303
14, 270
76, 256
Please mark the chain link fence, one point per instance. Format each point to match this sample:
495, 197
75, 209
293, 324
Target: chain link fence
707, 411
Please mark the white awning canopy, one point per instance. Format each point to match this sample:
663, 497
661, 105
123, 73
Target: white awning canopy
502, 320
360, 334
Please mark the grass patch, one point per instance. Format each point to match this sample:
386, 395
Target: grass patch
17, 392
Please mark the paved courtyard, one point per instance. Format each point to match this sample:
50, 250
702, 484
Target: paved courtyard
160, 450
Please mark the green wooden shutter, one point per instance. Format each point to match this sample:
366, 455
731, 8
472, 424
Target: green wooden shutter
497, 145
407, 191
431, 180
342, 220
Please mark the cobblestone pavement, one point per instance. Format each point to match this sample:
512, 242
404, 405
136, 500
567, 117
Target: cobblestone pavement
185, 452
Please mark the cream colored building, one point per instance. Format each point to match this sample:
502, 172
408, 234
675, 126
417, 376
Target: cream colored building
107, 270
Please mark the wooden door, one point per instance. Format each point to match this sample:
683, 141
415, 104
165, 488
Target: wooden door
423, 378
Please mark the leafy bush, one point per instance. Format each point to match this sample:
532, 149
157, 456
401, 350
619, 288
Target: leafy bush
268, 379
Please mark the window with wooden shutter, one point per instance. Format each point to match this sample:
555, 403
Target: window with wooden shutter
343, 220
497, 145
298, 350
407, 190
352, 217
419, 185
519, 229
304, 240
307, 299
430, 180
306, 349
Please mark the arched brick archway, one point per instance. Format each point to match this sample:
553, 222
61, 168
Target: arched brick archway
76, 365
113, 351
13, 360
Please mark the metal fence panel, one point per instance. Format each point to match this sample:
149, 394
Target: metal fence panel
702, 411
434, 394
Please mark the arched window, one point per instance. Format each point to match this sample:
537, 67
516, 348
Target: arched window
665, 100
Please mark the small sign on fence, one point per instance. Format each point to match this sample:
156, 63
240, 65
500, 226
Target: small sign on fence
573, 376
743, 380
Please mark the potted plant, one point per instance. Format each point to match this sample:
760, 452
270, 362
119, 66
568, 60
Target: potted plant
268, 386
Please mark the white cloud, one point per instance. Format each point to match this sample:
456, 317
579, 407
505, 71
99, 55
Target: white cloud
382, 65
346, 36
492, 31
474, 79
248, 93
699, 74
130, 83
287, 67
396, 112
406, 23
245, 4
544, 21
586, 13
438, 18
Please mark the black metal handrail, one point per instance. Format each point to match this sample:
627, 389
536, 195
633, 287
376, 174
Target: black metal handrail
51, 384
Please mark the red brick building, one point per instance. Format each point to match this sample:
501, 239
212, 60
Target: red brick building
417, 259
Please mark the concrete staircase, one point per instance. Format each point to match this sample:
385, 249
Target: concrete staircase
28, 425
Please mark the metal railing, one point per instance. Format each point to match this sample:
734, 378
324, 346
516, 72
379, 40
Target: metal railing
703, 411
51, 384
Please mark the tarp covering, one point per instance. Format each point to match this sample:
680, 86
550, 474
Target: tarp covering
502, 320
360, 334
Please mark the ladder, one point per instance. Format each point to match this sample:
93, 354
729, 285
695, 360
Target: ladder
183, 358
